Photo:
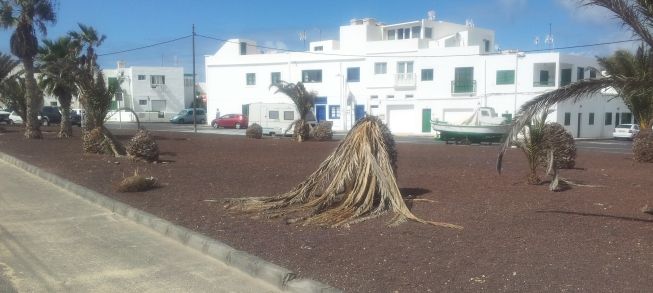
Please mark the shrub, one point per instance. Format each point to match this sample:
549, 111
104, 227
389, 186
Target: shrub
143, 147
254, 131
643, 147
322, 131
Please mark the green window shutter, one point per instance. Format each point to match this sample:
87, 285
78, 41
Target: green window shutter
565, 77
505, 77
114, 105
464, 82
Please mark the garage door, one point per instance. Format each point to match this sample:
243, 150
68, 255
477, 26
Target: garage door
403, 119
455, 116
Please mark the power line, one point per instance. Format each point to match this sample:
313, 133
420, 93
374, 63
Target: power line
423, 56
145, 47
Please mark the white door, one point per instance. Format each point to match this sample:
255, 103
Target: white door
402, 119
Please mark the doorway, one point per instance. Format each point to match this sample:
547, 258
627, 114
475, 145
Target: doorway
580, 120
320, 112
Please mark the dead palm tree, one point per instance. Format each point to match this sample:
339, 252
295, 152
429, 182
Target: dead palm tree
355, 183
303, 100
58, 67
26, 16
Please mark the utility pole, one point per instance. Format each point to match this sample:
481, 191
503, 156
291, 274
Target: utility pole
194, 90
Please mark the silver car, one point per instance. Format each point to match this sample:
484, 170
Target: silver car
186, 116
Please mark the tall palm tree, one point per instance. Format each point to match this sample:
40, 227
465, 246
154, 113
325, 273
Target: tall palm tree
303, 100
25, 16
11, 93
58, 67
634, 14
89, 39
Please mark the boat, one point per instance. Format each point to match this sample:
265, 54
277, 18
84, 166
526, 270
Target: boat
483, 126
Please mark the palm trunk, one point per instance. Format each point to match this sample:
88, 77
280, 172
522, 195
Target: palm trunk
34, 102
66, 130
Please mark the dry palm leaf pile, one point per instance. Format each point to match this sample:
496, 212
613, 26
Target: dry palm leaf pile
355, 183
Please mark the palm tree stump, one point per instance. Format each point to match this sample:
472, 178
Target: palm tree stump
355, 183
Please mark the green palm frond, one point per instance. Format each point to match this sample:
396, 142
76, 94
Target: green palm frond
637, 15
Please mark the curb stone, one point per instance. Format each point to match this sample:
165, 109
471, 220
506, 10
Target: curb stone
253, 266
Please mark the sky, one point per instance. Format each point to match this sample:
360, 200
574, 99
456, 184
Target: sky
131, 24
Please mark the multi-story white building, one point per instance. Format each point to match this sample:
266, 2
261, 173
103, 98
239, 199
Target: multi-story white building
409, 74
154, 93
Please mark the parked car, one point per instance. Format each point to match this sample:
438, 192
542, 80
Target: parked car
14, 118
625, 131
186, 116
49, 115
237, 121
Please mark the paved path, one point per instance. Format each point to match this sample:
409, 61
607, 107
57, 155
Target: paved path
54, 241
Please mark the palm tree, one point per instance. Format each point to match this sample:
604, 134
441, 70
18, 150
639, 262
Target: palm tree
303, 100
58, 74
25, 16
89, 38
7, 65
637, 15
12, 94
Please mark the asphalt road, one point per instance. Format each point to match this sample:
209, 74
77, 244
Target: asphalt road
599, 145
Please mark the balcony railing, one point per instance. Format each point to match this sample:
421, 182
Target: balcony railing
405, 80
463, 86
544, 83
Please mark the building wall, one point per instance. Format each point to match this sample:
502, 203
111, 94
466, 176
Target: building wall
404, 101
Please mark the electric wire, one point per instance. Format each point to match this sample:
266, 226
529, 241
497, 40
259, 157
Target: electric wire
146, 46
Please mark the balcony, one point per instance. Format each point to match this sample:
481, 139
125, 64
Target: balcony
405, 80
463, 87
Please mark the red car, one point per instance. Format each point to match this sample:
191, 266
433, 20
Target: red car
230, 121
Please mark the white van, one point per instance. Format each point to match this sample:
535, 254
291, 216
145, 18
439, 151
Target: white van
275, 118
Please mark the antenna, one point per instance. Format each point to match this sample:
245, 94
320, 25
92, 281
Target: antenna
302, 37
431, 15
549, 38
469, 22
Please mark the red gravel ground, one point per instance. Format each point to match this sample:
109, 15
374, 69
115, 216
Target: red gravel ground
516, 237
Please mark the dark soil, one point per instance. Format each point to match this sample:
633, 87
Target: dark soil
516, 237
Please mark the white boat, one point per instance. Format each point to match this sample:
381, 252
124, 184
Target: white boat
483, 126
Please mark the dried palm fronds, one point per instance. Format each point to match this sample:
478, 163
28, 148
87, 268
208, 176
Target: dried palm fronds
323, 131
100, 141
355, 183
136, 183
254, 131
143, 147
557, 139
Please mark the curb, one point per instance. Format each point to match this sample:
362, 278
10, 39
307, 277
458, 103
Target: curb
251, 265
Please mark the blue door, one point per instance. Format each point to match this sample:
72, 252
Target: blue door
359, 112
320, 112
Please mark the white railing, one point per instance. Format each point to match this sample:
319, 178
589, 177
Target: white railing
405, 80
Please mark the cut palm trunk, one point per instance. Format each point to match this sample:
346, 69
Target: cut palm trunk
355, 183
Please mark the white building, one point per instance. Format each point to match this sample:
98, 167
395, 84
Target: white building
408, 74
154, 93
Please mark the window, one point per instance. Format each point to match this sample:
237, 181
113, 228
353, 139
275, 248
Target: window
275, 77
243, 48
334, 112
544, 77
405, 68
273, 114
142, 102
53, 104
188, 82
380, 68
567, 119
403, 33
608, 118
353, 74
427, 74
626, 118
580, 74
409, 96
141, 77
251, 78
505, 77
416, 30
464, 80
391, 34
312, 76
157, 79
591, 120
374, 97
565, 76
592, 73
390, 97
318, 48
288, 115
428, 33
486, 45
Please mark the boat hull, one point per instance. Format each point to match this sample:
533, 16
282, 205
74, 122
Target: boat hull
471, 133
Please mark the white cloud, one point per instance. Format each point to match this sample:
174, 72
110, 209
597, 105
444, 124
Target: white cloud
587, 13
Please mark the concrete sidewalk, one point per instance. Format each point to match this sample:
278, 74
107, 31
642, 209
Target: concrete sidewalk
54, 241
